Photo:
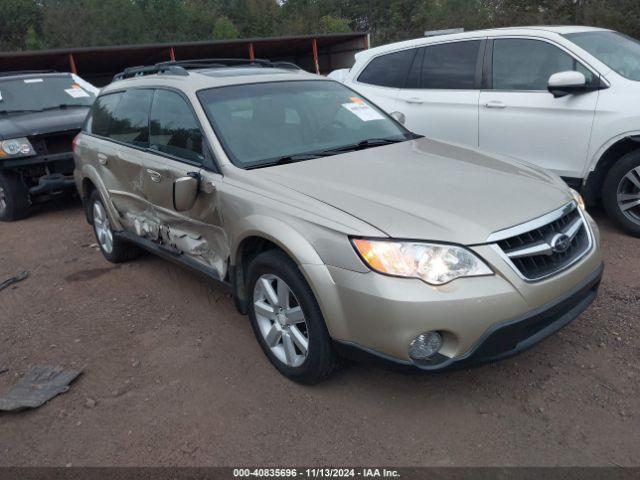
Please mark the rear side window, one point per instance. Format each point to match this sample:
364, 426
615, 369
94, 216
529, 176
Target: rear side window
450, 66
130, 123
174, 129
388, 70
101, 115
520, 64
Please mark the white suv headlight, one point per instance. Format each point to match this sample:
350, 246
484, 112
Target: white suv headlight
436, 264
16, 147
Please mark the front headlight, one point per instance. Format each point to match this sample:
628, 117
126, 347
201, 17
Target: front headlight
578, 198
436, 264
16, 147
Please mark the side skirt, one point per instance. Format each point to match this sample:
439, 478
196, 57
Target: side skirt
175, 256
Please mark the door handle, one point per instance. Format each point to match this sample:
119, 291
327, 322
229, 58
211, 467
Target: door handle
102, 159
415, 100
495, 104
154, 176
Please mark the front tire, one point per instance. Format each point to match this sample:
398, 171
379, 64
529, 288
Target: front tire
112, 247
287, 320
621, 193
14, 197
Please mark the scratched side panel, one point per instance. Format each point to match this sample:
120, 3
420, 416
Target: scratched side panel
198, 233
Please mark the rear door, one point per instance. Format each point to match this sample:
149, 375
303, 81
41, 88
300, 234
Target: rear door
121, 121
440, 97
520, 118
177, 148
383, 77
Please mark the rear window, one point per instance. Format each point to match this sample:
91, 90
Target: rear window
450, 66
101, 115
130, 122
388, 70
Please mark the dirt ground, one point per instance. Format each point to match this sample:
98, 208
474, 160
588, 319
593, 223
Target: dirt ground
174, 376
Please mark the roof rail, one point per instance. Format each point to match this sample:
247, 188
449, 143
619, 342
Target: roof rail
229, 62
26, 72
446, 31
141, 70
180, 67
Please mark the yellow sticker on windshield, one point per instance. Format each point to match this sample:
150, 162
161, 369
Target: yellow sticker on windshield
356, 99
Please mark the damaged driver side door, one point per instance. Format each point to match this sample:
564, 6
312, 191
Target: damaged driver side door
178, 156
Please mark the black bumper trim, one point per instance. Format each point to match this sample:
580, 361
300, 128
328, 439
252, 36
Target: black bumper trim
38, 160
501, 341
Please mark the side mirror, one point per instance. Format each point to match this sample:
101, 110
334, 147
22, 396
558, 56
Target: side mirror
398, 117
566, 83
185, 192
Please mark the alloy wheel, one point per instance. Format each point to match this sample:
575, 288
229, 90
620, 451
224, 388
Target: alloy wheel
102, 227
281, 320
629, 195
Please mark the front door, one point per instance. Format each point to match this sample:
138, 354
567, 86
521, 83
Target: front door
176, 149
520, 118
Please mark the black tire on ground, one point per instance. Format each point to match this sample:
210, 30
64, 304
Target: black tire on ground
321, 359
14, 197
121, 251
630, 222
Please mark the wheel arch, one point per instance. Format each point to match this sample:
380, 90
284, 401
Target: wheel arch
91, 181
611, 153
260, 234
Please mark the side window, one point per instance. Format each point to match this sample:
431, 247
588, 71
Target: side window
450, 66
174, 129
130, 122
102, 111
521, 64
388, 70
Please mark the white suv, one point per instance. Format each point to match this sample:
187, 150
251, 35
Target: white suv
564, 98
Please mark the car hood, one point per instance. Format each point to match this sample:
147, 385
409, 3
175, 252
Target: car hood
427, 190
37, 123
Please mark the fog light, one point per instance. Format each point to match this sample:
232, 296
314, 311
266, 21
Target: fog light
425, 345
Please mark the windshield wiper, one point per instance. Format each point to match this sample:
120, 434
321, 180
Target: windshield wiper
300, 157
19, 110
63, 106
368, 143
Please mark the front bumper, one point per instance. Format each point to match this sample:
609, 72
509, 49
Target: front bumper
63, 162
503, 340
381, 315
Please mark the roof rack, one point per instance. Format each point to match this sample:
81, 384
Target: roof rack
180, 67
25, 72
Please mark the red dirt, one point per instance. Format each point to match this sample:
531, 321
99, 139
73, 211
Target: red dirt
173, 375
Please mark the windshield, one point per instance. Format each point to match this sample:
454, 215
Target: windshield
259, 124
39, 93
619, 52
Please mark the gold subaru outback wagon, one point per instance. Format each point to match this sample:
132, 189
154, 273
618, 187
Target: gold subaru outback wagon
338, 232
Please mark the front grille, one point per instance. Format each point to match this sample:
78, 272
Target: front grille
52, 143
538, 250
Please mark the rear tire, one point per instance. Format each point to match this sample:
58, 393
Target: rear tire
621, 193
14, 197
288, 324
112, 247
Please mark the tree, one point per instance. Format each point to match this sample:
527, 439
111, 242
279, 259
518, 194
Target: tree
329, 24
223, 28
16, 17
32, 39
